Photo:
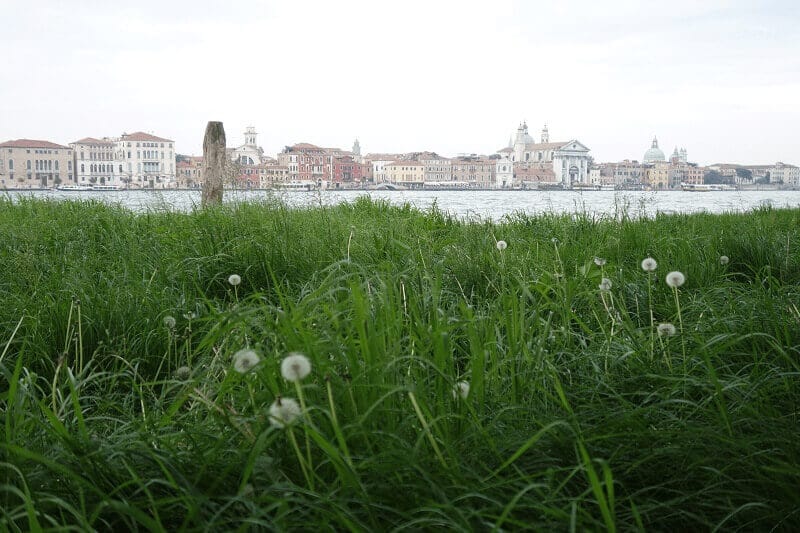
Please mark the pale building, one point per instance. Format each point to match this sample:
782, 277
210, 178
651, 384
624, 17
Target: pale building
407, 173
657, 175
437, 168
95, 162
33, 164
249, 153
474, 171
147, 161
786, 174
568, 160
503, 172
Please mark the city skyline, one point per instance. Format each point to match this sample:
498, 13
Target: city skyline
719, 79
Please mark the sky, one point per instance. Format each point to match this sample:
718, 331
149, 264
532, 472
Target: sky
719, 78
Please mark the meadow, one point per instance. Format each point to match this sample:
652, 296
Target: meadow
530, 374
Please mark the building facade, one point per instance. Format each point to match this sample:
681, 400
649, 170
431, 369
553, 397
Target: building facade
95, 162
34, 164
147, 161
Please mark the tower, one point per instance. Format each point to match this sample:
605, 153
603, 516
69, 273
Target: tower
545, 135
356, 148
250, 136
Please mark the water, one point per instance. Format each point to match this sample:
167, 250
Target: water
493, 205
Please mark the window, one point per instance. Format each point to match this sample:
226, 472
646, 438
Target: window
56, 164
82, 169
10, 164
29, 164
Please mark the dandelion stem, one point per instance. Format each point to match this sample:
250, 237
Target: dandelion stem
300, 459
427, 429
307, 418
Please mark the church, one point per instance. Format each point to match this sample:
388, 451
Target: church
560, 163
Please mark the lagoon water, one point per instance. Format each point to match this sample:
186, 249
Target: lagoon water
473, 205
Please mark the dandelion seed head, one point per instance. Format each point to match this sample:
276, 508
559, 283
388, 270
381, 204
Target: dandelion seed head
666, 329
234, 279
183, 373
605, 285
675, 279
723, 260
501, 245
169, 322
283, 412
245, 360
295, 366
599, 261
461, 390
649, 264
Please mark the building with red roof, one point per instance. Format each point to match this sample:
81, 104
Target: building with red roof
34, 164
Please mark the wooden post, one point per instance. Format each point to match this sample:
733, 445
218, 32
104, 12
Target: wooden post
214, 160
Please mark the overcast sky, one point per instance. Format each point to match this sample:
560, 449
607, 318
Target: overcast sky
720, 78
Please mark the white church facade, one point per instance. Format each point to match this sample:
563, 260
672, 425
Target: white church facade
561, 163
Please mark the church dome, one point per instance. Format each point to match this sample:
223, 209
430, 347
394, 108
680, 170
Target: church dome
654, 153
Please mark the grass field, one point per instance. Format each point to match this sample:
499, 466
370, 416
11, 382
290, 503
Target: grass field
452, 384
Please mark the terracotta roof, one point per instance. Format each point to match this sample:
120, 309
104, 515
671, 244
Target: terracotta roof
30, 143
92, 140
142, 136
406, 163
506, 150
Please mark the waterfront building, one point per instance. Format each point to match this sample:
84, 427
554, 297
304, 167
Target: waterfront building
656, 175
785, 174
503, 171
347, 171
249, 153
35, 164
473, 171
535, 175
306, 162
405, 172
377, 164
95, 162
437, 168
189, 173
147, 161
568, 160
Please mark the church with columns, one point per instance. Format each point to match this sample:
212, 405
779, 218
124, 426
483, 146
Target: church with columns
547, 163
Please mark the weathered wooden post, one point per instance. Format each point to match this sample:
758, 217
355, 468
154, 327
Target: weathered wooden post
214, 160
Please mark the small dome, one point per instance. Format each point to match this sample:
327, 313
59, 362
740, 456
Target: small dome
654, 153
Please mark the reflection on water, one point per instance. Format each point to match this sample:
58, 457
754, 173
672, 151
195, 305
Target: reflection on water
471, 205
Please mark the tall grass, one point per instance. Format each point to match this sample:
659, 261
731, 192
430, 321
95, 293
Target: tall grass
578, 415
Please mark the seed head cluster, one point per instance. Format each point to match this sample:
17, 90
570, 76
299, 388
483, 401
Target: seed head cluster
461, 390
295, 367
666, 329
599, 261
283, 412
605, 285
234, 279
501, 245
245, 360
649, 264
675, 279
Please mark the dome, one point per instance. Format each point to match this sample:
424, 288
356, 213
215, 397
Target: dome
654, 153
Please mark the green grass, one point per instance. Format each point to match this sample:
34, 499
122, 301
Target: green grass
579, 416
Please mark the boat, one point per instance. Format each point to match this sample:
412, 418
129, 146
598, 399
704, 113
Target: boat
706, 187
74, 188
105, 187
